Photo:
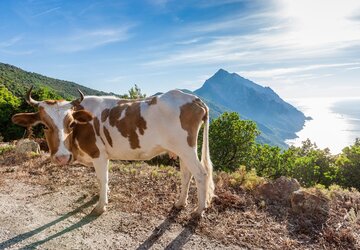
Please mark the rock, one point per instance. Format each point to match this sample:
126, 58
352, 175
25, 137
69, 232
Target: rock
309, 204
26, 146
279, 190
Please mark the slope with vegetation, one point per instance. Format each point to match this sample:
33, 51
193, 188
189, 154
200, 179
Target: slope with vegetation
19, 81
56, 201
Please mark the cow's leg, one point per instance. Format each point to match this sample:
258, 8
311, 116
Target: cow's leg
185, 182
101, 169
198, 171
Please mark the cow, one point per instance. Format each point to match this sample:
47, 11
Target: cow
92, 130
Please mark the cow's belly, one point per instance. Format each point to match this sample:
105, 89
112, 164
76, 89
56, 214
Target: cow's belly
135, 154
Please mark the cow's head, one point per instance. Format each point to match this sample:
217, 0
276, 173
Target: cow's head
59, 119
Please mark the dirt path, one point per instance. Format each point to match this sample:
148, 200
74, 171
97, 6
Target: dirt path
31, 217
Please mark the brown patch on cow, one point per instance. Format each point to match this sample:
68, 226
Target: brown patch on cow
97, 126
105, 114
26, 119
151, 101
115, 113
52, 102
68, 121
77, 106
131, 122
201, 104
85, 136
97, 129
191, 115
51, 133
82, 116
107, 135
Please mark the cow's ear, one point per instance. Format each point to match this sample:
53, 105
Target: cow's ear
82, 116
26, 119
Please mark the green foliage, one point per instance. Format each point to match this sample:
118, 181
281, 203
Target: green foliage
19, 81
267, 161
231, 141
134, 93
310, 165
6, 148
245, 178
349, 166
9, 105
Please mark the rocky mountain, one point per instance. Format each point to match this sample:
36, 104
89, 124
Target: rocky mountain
277, 119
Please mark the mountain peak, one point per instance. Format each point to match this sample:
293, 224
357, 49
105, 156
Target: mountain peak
221, 72
254, 102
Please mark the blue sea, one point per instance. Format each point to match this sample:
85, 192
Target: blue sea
335, 122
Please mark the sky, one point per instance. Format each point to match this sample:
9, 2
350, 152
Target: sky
307, 48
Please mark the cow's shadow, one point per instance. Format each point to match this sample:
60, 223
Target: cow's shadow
180, 240
21, 237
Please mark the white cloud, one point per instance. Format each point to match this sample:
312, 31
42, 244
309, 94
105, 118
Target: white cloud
291, 31
10, 42
45, 12
320, 22
275, 72
90, 39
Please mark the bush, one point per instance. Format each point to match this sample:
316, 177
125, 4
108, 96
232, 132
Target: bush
349, 166
310, 165
231, 141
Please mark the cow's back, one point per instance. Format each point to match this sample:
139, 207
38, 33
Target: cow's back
138, 129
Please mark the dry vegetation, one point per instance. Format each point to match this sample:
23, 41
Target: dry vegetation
237, 216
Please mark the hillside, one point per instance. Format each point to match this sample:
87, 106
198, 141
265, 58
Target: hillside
18, 81
277, 119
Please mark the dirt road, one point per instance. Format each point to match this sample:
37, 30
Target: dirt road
31, 217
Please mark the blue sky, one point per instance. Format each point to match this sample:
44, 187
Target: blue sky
299, 48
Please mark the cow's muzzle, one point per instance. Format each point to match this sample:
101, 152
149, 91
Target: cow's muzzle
62, 159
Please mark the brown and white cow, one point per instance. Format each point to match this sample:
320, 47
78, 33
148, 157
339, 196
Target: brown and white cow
93, 130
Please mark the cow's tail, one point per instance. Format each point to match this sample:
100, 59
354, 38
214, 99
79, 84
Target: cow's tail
205, 159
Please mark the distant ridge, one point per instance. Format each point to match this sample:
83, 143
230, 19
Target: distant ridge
277, 119
18, 81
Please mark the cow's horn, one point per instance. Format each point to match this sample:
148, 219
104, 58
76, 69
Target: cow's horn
81, 95
79, 100
29, 100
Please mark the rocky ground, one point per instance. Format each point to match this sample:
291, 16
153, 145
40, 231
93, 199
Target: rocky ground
43, 206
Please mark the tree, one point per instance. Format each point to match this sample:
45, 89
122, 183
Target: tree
309, 164
266, 160
349, 166
134, 93
9, 105
231, 141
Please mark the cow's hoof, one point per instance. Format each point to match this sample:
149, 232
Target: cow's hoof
197, 214
98, 210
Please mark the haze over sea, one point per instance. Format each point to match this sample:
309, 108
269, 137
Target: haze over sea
335, 122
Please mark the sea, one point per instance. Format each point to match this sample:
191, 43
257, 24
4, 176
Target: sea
335, 122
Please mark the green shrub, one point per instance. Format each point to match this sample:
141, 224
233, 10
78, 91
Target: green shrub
231, 141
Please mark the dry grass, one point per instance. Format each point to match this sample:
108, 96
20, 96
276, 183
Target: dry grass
235, 217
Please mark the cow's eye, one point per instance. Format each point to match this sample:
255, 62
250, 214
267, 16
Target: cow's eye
72, 124
44, 127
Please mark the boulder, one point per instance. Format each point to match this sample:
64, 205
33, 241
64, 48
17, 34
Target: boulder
309, 204
24, 146
279, 190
